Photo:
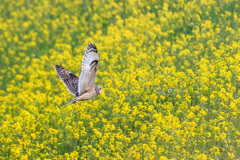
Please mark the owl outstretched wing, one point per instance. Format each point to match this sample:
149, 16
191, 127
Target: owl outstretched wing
69, 79
89, 69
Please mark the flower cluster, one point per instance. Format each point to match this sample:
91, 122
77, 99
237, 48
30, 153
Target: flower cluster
169, 71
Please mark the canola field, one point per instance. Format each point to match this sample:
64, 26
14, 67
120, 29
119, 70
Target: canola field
169, 69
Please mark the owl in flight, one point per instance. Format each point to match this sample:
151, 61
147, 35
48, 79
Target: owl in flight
84, 87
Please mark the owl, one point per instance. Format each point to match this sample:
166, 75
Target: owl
83, 87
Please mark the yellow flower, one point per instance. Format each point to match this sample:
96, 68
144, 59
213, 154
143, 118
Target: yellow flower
169, 73
202, 157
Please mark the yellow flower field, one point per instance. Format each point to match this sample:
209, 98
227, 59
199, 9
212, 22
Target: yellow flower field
170, 73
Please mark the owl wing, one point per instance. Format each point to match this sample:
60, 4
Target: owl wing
69, 79
89, 69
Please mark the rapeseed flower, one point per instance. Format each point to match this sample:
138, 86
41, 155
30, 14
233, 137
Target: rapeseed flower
169, 71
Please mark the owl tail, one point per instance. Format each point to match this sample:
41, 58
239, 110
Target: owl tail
74, 100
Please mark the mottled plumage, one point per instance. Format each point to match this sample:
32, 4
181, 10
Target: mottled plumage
69, 79
89, 69
83, 88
